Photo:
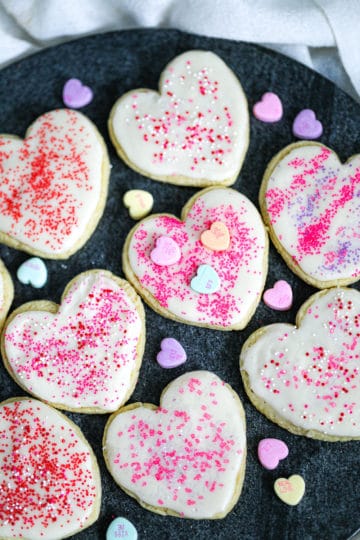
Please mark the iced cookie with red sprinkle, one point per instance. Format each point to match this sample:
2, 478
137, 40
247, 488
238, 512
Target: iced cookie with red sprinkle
310, 202
193, 132
53, 185
306, 378
186, 457
83, 355
6, 292
210, 267
49, 477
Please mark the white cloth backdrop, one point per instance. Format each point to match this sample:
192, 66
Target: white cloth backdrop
323, 34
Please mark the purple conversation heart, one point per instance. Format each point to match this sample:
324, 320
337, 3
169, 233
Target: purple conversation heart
75, 94
306, 125
172, 354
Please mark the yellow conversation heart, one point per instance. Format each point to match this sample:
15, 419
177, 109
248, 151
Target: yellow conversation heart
139, 203
290, 490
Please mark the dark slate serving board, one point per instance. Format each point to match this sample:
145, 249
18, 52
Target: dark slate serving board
112, 64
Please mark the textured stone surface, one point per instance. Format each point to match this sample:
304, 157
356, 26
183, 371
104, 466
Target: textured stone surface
111, 64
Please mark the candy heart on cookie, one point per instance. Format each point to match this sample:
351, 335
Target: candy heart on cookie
306, 377
53, 185
49, 477
311, 204
201, 286
83, 355
187, 456
193, 132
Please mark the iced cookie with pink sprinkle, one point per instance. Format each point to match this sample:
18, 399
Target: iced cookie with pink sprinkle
306, 377
53, 184
193, 132
49, 477
207, 268
185, 458
83, 355
310, 203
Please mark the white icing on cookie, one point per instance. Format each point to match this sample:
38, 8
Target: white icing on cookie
310, 375
187, 455
312, 202
241, 267
53, 184
50, 483
88, 354
195, 129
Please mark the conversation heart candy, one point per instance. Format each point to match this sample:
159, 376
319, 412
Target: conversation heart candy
76, 95
306, 125
206, 280
217, 237
139, 202
271, 451
269, 109
166, 252
32, 272
172, 353
280, 297
121, 528
290, 490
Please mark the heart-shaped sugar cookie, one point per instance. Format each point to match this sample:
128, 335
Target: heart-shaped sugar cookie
178, 291
50, 482
186, 457
311, 204
193, 132
306, 378
53, 185
83, 355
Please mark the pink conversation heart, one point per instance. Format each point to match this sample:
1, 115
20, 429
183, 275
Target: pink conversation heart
172, 353
166, 252
269, 109
271, 451
279, 297
306, 125
75, 94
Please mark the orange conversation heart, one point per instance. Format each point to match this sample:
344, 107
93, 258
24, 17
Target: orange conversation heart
217, 237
